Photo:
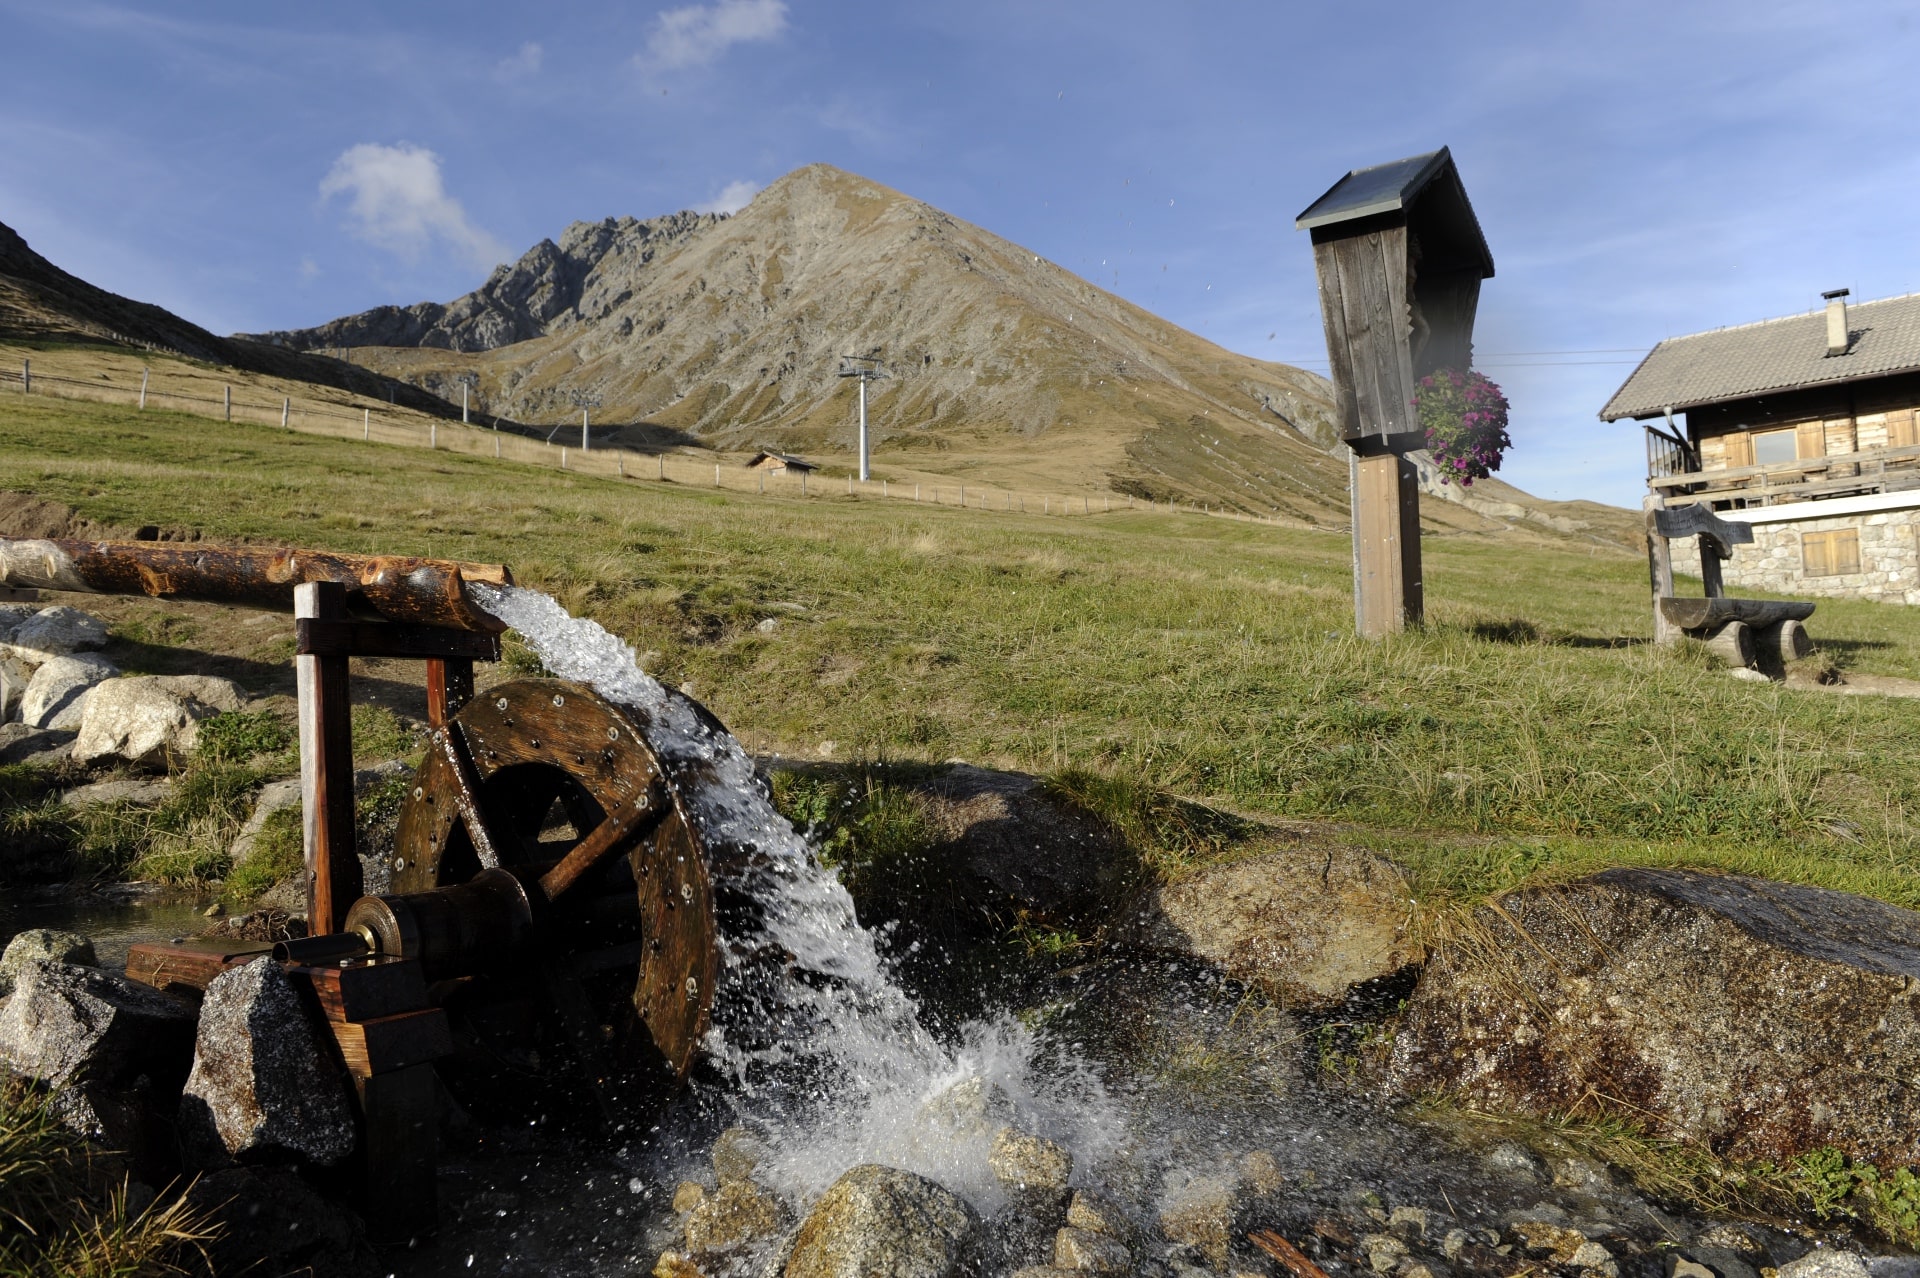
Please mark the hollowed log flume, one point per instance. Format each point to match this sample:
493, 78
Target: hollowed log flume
400, 588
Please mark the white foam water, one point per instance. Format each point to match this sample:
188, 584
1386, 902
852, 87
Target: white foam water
823, 1050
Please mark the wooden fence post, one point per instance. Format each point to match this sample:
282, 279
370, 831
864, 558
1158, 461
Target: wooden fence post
366, 423
26, 377
716, 474
563, 457
433, 435
286, 411
326, 766
229, 399
662, 459
144, 374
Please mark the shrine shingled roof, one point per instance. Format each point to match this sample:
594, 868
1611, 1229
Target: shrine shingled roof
1783, 354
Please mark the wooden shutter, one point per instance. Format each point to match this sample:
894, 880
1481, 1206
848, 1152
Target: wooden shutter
1812, 442
1900, 428
1830, 554
1739, 449
1846, 550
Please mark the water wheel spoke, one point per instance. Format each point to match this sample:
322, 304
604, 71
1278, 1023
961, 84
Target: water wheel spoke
607, 840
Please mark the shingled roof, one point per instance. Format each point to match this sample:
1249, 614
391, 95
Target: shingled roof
1773, 355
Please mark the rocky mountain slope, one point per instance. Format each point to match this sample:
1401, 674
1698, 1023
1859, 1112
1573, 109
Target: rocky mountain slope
40, 302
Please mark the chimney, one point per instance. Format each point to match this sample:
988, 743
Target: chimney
1837, 338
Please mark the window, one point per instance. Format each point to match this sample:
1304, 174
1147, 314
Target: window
1775, 446
1830, 554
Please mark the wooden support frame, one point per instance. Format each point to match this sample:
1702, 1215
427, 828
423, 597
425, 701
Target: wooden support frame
326, 765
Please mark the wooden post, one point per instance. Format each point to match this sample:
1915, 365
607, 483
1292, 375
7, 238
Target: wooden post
26, 377
145, 373
229, 398
496, 443
449, 686
663, 466
433, 435
1659, 572
716, 476
1388, 593
286, 410
563, 458
366, 423
326, 766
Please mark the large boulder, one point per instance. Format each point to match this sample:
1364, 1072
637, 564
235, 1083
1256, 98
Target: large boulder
55, 631
879, 1222
56, 695
14, 678
42, 945
1759, 1019
93, 1035
261, 1084
274, 796
150, 718
1024, 849
11, 617
1305, 924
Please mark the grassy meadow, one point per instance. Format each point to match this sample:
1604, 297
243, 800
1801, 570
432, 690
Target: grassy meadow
1527, 731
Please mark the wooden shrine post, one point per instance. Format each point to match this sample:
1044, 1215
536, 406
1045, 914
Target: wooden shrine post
1400, 258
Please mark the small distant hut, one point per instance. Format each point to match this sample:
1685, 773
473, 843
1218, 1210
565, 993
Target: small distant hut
781, 464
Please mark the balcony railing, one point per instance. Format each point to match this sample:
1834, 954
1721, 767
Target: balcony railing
1872, 470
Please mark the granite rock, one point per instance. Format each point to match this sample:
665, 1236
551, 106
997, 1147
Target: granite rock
60, 687
150, 718
880, 1222
43, 944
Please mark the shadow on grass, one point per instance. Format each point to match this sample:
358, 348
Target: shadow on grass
1518, 631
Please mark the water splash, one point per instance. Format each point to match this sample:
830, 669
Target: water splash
822, 1048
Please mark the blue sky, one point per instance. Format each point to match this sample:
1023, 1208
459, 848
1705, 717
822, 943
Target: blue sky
1640, 169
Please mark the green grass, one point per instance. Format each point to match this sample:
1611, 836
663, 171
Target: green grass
1526, 730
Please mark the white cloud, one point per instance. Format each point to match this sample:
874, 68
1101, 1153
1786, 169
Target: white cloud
732, 198
398, 202
309, 269
525, 63
699, 33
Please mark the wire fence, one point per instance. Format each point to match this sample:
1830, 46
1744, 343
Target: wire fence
371, 422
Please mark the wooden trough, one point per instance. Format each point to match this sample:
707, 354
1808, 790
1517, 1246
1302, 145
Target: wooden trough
552, 908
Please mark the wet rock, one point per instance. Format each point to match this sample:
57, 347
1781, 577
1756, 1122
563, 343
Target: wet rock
1453, 1243
1021, 1160
733, 1219
138, 791
674, 1265
57, 694
1408, 1222
23, 743
1678, 1266
1201, 1214
1084, 1251
736, 1154
1094, 1211
687, 1195
261, 1083
43, 945
1516, 1160
972, 1108
93, 1035
1021, 1233
1591, 1256
274, 796
881, 1221
1763, 1019
1384, 1252
1732, 1236
1826, 1263
56, 631
1260, 1173
274, 1223
1305, 924
150, 718
1559, 1242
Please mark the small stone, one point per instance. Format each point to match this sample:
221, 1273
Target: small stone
971, 1108
1592, 1256
1728, 1263
1085, 1251
1414, 1270
57, 631
768, 626
1559, 1241
1095, 1211
1260, 1173
736, 1154
687, 1195
43, 945
1684, 1268
1384, 1252
260, 1080
1826, 1263
213, 911
1408, 1222
1733, 1237
56, 695
1025, 1161
135, 791
1454, 1243
674, 1265
1201, 1214
1748, 675
1515, 1160
1038, 1271
1581, 1174
738, 1215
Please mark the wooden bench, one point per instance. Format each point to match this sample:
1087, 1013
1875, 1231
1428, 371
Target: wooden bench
1743, 632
